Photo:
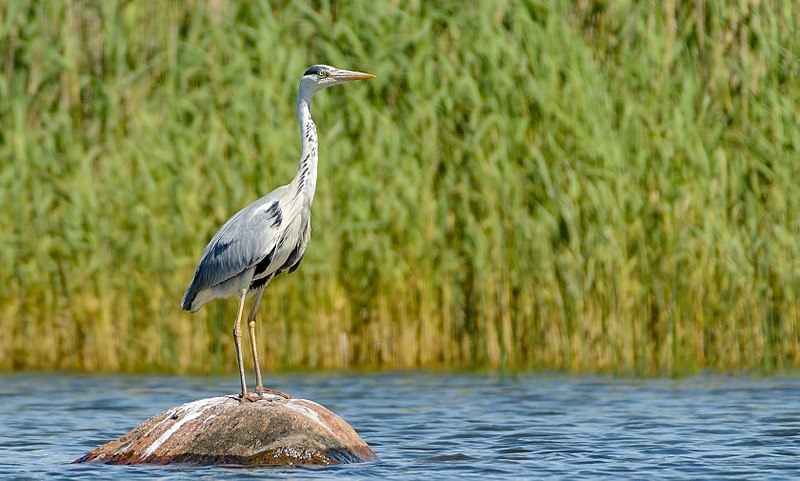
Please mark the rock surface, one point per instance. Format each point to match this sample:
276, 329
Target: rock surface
220, 430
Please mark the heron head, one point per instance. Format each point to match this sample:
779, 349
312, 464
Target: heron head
320, 77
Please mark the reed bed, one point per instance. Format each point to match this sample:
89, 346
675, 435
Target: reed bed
605, 186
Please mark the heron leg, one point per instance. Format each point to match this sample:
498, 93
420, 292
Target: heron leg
237, 339
251, 324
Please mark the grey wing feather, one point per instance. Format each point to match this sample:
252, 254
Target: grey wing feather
242, 242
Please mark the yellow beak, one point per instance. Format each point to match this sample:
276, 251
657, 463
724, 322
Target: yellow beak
348, 75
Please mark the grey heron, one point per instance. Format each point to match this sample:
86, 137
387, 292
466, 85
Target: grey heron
270, 235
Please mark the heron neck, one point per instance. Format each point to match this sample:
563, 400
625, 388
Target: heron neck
305, 181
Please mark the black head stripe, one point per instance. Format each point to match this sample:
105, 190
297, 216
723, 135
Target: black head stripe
316, 69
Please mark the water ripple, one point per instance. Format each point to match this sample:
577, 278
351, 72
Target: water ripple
439, 426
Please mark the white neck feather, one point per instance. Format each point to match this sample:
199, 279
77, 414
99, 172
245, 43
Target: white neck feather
305, 181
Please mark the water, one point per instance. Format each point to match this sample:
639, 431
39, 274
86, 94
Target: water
436, 426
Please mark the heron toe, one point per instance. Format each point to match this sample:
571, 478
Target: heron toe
263, 391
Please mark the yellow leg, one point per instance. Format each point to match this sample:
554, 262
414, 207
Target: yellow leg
237, 339
251, 324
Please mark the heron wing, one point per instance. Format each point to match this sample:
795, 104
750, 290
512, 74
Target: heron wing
241, 243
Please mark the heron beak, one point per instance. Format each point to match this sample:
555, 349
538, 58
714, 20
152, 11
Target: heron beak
348, 75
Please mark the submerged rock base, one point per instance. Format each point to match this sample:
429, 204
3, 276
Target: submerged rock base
220, 430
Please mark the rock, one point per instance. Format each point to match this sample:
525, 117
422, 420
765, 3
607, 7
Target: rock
220, 430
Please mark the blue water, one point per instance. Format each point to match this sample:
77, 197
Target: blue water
438, 426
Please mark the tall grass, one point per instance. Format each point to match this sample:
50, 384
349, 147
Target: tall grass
597, 186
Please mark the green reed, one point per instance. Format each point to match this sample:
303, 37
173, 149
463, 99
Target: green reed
604, 186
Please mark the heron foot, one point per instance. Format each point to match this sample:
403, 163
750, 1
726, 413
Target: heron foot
250, 397
260, 390
258, 395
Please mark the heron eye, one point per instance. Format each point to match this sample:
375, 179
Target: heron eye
324, 73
